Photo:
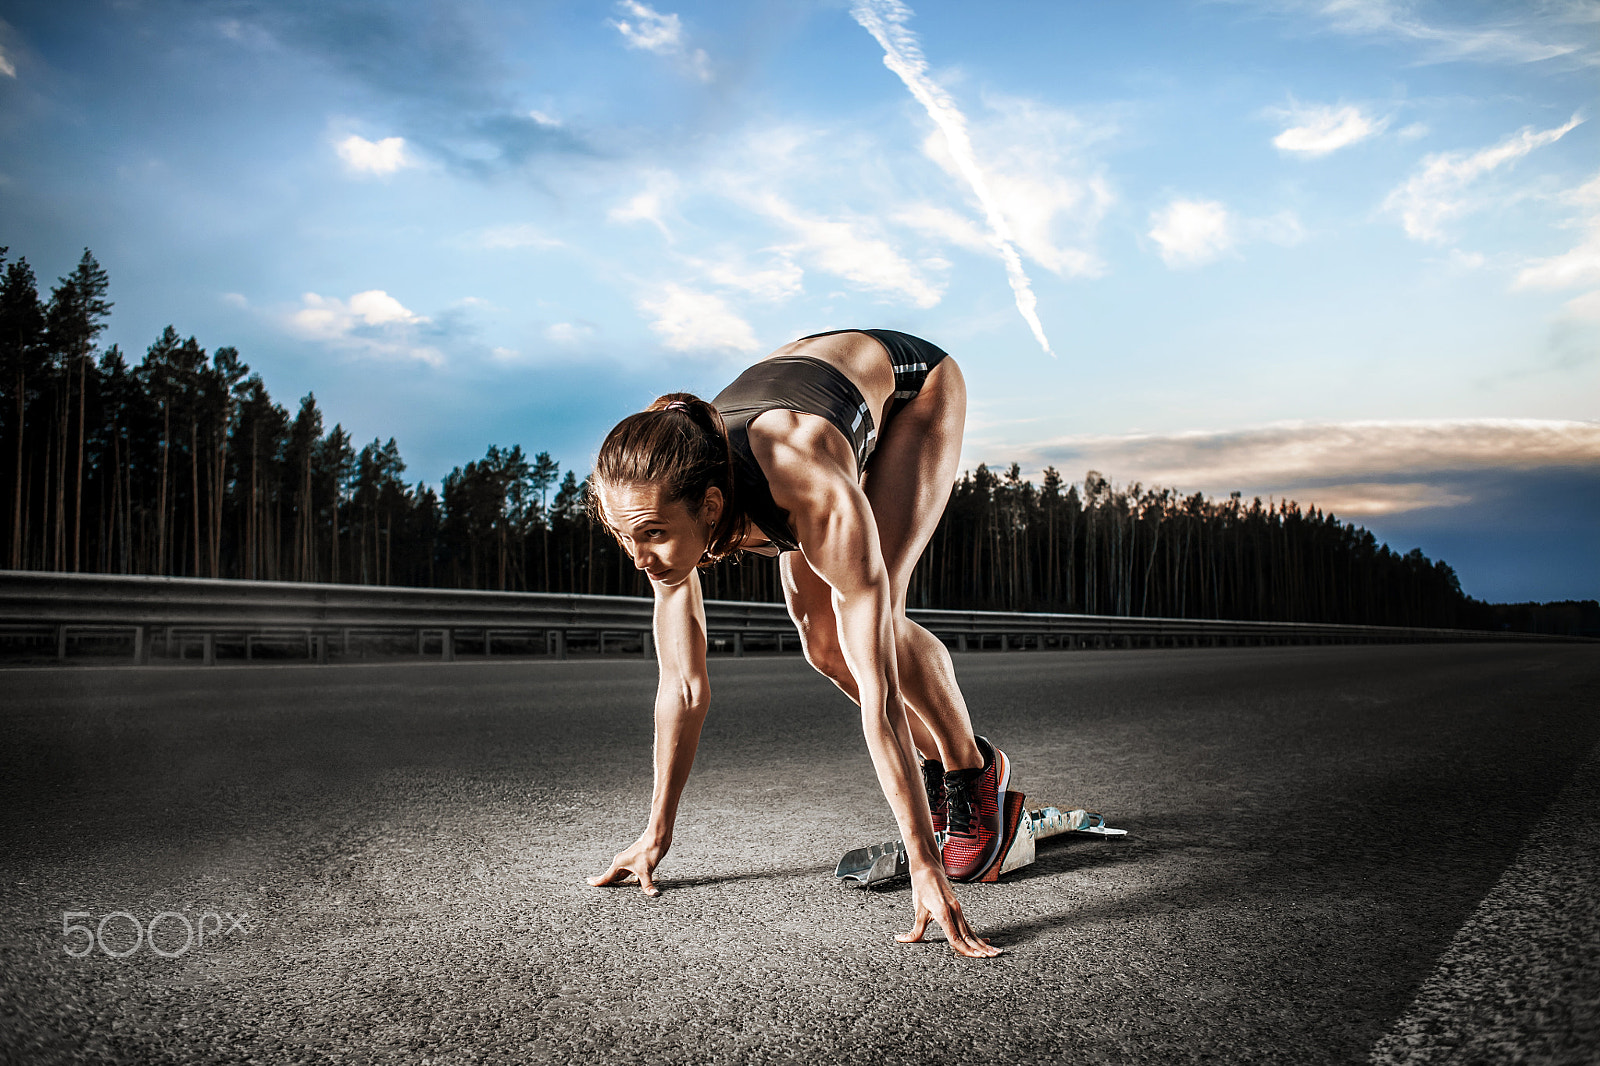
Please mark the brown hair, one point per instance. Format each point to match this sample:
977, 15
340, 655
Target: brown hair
680, 443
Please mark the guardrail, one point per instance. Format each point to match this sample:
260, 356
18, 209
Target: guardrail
316, 621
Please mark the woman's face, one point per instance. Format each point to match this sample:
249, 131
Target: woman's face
661, 537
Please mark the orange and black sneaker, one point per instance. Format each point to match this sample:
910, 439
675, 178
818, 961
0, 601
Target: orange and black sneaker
975, 815
933, 781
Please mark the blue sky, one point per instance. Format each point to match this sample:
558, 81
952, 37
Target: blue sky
1346, 251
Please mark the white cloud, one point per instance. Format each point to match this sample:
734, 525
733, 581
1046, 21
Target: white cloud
1300, 451
946, 225
648, 30
569, 333
1413, 131
1321, 130
514, 236
1366, 498
544, 118
1192, 232
845, 248
902, 54
370, 323
505, 355
8, 68
687, 320
1034, 166
779, 281
362, 156
1580, 265
1507, 41
651, 203
1585, 308
1438, 191
1339, 466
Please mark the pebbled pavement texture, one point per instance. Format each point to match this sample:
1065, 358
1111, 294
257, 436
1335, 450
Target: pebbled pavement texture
1335, 855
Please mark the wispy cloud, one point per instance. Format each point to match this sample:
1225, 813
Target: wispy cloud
648, 30
902, 54
1437, 191
520, 235
1522, 35
1576, 268
1035, 166
778, 185
1581, 265
1368, 467
779, 279
945, 225
650, 204
569, 334
1318, 131
848, 248
8, 68
362, 156
1192, 232
688, 320
371, 323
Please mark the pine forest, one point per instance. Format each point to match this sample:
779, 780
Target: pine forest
179, 462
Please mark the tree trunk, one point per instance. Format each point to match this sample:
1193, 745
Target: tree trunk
77, 507
16, 496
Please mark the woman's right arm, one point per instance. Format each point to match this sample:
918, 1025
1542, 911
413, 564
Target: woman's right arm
683, 695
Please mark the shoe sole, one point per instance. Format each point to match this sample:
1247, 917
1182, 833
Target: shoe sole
1002, 773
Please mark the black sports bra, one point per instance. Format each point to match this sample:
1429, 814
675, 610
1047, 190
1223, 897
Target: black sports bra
791, 383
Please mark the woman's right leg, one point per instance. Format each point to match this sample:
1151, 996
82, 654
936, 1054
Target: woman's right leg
810, 601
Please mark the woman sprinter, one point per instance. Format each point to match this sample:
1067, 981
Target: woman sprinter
837, 454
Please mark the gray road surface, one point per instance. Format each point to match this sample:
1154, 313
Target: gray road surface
1334, 855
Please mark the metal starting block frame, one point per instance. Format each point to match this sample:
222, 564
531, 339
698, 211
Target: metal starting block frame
1022, 830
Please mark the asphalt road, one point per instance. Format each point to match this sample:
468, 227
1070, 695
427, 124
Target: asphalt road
1334, 855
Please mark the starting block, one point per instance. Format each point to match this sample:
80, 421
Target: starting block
1021, 831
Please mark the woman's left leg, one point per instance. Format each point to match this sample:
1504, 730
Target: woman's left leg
908, 483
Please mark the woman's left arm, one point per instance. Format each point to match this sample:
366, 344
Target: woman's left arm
833, 522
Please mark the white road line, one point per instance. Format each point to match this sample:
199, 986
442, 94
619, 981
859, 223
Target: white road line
1521, 980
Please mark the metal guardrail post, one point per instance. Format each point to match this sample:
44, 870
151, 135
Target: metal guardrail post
449, 653
61, 644
738, 644
208, 649
647, 643
561, 644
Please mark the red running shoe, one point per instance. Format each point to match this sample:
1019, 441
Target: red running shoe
933, 781
975, 815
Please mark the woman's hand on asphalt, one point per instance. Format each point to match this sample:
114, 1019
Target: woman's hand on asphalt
942, 906
638, 862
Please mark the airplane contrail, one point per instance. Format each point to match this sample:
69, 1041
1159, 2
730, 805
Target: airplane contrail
885, 20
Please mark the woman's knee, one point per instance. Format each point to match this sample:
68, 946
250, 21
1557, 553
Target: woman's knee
827, 659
